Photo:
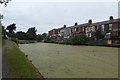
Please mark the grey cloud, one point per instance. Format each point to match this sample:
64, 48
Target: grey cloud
45, 16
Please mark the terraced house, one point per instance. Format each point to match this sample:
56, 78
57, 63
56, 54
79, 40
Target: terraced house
109, 28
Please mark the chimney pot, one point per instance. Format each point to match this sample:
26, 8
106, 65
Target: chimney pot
90, 21
111, 18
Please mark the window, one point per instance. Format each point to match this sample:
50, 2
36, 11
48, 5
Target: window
93, 28
75, 29
102, 28
90, 28
110, 26
87, 29
82, 28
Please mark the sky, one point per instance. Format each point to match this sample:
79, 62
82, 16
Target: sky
48, 14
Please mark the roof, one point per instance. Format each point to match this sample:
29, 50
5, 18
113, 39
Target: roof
96, 23
107, 22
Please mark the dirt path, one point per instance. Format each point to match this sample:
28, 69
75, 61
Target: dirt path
5, 67
0, 63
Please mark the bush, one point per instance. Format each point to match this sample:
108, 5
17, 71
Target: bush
78, 40
48, 40
15, 40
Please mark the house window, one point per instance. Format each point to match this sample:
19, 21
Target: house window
90, 28
75, 29
93, 28
102, 29
110, 26
82, 28
87, 29
87, 35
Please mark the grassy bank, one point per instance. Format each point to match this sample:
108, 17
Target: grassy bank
20, 66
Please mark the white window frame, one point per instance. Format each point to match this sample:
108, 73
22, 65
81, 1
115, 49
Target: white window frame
110, 26
102, 27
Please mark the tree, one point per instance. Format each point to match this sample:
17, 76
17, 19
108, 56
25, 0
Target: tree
98, 34
4, 2
21, 35
39, 38
3, 32
48, 40
78, 39
44, 35
11, 28
107, 28
31, 33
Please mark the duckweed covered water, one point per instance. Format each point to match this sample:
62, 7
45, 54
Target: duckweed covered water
65, 61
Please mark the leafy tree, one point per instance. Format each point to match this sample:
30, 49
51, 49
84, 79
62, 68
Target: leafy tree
21, 35
39, 38
4, 2
44, 35
11, 28
107, 28
78, 39
3, 32
48, 40
31, 33
1, 16
98, 34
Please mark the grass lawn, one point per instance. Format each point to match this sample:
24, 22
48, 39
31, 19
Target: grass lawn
19, 64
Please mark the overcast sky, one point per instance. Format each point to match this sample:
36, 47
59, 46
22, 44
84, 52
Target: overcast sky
48, 14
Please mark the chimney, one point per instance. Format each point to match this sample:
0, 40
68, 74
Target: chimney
64, 26
90, 21
111, 18
76, 24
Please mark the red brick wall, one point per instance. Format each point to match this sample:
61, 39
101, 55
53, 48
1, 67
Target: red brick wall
53, 32
116, 25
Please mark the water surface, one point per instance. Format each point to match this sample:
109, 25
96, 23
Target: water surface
65, 61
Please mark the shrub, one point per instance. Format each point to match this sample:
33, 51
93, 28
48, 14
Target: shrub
78, 40
15, 40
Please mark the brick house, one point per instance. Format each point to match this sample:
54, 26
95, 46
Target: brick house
90, 29
110, 28
78, 29
53, 33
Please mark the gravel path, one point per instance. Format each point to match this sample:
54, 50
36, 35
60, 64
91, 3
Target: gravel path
0, 63
5, 67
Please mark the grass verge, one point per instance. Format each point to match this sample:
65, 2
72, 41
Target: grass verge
20, 66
